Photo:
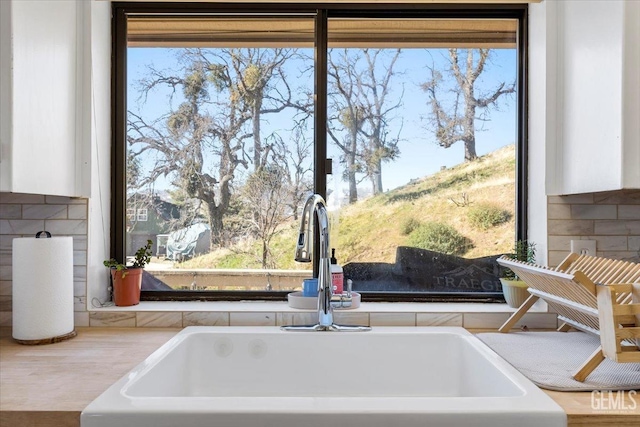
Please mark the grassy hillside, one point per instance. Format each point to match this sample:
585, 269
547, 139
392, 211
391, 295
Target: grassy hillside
371, 229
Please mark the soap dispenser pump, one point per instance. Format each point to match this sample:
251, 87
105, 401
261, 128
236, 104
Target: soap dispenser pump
337, 275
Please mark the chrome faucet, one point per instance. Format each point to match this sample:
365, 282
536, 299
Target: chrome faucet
315, 214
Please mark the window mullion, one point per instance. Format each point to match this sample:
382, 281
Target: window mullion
320, 116
320, 108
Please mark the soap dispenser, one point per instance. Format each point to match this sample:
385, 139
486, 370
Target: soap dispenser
337, 275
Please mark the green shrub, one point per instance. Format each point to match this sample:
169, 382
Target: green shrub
487, 215
408, 225
438, 237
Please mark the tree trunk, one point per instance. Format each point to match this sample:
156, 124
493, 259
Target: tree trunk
376, 179
469, 125
470, 150
216, 224
265, 251
257, 143
353, 189
351, 162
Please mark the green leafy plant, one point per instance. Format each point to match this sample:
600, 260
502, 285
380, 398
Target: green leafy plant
523, 250
438, 237
408, 225
487, 215
142, 257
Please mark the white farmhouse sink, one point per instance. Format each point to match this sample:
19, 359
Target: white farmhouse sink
260, 376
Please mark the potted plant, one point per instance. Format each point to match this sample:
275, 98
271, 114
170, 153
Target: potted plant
515, 290
127, 280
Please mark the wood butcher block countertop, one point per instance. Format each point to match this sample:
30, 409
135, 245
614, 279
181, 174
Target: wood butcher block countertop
50, 385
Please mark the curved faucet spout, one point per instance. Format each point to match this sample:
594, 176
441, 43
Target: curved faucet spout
315, 214
315, 206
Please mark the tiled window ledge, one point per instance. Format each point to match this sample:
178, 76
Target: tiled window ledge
282, 306
274, 313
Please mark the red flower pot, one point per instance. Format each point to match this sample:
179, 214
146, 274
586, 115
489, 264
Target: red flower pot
126, 290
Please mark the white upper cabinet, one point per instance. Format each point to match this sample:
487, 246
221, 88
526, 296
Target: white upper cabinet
596, 143
43, 149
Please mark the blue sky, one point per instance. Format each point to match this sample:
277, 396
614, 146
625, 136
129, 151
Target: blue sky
419, 153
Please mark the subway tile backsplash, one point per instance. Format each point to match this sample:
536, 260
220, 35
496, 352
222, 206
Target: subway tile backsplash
23, 215
611, 218
44, 212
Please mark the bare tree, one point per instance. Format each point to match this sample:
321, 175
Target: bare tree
374, 93
458, 122
181, 141
266, 195
273, 194
345, 116
135, 199
296, 161
360, 111
201, 143
134, 173
262, 85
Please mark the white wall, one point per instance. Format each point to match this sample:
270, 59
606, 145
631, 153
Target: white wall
631, 95
542, 118
99, 69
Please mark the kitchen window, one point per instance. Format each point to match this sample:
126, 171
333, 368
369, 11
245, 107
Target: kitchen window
409, 119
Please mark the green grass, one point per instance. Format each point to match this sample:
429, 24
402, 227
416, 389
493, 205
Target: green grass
371, 229
487, 215
439, 237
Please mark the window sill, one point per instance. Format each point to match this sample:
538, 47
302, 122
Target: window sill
179, 314
283, 307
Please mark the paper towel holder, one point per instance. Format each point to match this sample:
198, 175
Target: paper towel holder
51, 340
23, 331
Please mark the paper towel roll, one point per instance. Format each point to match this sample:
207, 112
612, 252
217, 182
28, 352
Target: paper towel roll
42, 288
